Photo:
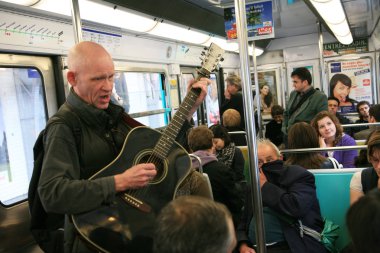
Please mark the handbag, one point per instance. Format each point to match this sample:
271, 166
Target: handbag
335, 163
327, 237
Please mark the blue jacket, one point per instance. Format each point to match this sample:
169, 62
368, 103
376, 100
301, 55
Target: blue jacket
290, 190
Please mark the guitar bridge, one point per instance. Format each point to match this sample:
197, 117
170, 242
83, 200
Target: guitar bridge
136, 203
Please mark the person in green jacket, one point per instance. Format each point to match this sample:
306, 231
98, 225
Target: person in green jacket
304, 102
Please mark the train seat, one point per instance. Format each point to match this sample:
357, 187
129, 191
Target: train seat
333, 191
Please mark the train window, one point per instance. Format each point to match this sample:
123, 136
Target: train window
212, 102
143, 96
22, 116
185, 79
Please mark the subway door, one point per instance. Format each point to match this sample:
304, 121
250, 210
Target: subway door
28, 97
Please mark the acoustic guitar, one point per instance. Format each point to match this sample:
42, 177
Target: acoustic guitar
127, 224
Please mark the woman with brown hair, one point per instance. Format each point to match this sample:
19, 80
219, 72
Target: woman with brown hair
331, 134
309, 160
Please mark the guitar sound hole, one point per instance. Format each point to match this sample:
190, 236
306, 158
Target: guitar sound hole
160, 166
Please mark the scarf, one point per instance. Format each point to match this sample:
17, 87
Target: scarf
226, 155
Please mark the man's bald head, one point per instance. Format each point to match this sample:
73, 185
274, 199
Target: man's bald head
84, 53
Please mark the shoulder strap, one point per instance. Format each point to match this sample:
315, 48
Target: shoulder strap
130, 121
369, 179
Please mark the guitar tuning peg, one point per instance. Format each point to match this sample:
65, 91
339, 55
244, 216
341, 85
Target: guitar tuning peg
222, 59
205, 48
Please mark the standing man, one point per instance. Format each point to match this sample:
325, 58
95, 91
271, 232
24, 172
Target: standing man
233, 97
304, 101
63, 187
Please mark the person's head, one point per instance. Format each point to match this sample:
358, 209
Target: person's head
340, 87
374, 113
221, 136
308, 160
328, 126
266, 93
91, 73
231, 118
363, 223
363, 109
183, 226
277, 113
267, 152
200, 138
333, 104
373, 150
233, 83
301, 79
309, 136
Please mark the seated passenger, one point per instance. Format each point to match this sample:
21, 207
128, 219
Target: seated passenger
302, 135
331, 135
374, 117
363, 223
273, 128
363, 110
194, 184
227, 152
194, 225
221, 177
287, 191
368, 179
231, 121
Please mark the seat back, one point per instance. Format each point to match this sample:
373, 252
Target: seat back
200, 169
333, 191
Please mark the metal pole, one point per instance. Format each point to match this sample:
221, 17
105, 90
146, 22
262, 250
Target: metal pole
250, 124
77, 24
324, 86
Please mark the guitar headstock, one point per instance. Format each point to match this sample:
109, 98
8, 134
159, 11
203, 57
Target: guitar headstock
210, 59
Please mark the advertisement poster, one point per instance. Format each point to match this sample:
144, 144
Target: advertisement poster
336, 48
259, 21
350, 81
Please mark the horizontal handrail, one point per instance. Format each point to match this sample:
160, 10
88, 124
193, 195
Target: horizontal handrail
361, 124
304, 150
237, 132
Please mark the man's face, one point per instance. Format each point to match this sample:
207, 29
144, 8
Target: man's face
278, 118
364, 110
266, 154
333, 106
299, 85
232, 88
94, 81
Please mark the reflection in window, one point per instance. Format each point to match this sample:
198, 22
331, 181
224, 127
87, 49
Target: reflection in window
142, 92
22, 117
212, 102
185, 80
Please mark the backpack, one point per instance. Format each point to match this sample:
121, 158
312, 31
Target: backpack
47, 228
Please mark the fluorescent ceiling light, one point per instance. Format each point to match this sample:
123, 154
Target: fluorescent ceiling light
22, 2
179, 33
332, 13
119, 17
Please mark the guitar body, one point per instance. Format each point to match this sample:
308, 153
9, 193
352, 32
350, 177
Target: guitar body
127, 224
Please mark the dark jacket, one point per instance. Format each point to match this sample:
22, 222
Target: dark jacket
235, 102
273, 132
290, 190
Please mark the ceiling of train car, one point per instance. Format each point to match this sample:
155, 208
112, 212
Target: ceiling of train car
291, 17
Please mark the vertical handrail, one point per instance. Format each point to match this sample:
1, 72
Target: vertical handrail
77, 24
324, 86
249, 123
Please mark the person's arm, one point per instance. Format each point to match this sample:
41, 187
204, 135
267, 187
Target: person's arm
321, 104
238, 165
348, 156
356, 188
244, 245
294, 199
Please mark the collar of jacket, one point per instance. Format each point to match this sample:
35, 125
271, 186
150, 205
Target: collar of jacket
102, 119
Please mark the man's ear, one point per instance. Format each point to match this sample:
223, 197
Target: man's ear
281, 157
71, 78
